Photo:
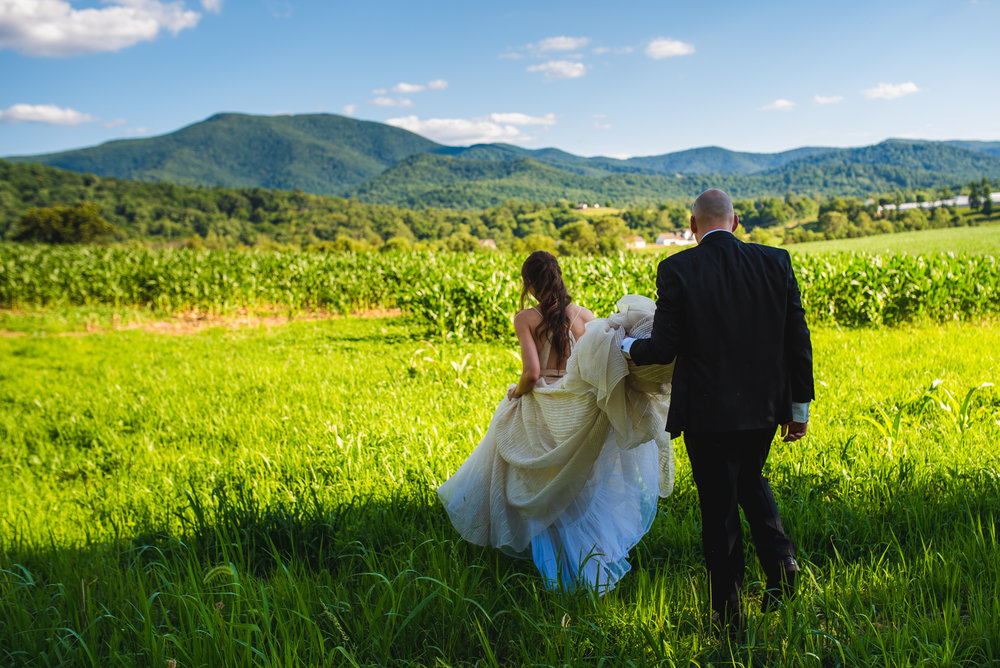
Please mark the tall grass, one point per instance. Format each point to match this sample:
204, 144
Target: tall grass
265, 497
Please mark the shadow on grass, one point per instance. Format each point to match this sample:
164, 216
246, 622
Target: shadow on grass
389, 579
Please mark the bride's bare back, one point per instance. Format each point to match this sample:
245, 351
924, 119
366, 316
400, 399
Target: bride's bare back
535, 346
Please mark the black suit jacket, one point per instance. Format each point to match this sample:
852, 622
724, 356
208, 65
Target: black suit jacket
730, 312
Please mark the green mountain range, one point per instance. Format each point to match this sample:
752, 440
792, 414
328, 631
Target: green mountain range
318, 153
373, 162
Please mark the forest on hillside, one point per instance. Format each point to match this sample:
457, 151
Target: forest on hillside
39, 203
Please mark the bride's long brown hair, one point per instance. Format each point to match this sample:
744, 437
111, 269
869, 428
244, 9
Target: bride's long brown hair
542, 277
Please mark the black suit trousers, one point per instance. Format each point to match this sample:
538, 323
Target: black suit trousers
728, 471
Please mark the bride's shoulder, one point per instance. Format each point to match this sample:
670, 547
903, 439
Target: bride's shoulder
529, 316
581, 313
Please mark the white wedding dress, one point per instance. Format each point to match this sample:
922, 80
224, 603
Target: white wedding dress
569, 474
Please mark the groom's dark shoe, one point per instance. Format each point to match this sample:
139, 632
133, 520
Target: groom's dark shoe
781, 583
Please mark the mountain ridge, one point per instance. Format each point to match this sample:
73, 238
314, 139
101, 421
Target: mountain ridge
329, 154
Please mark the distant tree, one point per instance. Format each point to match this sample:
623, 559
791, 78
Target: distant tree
579, 238
773, 211
396, 244
533, 242
461, 242
914, 219
985, 191
833, 224
759, 235
610, 232
59, 224
974, 199
802, 207
863, 223
941, 218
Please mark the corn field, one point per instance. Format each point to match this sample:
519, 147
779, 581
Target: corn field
469, 296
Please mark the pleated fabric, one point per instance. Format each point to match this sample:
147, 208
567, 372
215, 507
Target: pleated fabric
569, 473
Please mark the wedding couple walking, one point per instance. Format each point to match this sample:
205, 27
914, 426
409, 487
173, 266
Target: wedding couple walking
576, 455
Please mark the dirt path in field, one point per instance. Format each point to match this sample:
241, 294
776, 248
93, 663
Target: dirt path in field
193, 322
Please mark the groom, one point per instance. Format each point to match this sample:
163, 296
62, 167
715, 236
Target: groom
731, 315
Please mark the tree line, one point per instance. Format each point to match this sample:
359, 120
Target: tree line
50, 205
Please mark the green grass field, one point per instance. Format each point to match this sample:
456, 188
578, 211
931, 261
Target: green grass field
980, 240
265, 496
983, 239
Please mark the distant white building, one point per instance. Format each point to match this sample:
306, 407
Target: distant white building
635, 242
961, 200
684, 238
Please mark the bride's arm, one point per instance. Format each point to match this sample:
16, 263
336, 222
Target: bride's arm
529, 355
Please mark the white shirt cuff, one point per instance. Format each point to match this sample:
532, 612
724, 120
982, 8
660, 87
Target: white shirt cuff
800, 411
627, 346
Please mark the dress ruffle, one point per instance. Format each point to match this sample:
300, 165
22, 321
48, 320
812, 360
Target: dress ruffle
569, 473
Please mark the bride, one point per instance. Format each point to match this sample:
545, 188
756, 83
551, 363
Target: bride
569, 471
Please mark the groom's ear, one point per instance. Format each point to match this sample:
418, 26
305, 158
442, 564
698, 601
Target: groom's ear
736, 222
694, 226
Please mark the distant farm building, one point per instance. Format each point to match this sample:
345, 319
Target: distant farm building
685, 238
635, 242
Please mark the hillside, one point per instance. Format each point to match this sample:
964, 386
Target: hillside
456, 182
333, 155
717, 160
990, 147
964, 163
319, 153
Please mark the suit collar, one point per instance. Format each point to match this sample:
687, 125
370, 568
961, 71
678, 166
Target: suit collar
716, 236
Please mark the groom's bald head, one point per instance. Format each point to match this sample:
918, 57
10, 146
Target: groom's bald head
713, 210
713, 205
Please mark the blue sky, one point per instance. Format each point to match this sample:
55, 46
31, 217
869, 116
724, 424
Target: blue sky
620, 79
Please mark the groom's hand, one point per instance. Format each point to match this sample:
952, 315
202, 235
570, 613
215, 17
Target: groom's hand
793, 431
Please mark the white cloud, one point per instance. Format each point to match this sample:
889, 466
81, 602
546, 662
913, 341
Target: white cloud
523, 119
562, 43
115, 123
350, 109
460, 131
403, 87
497, 127
664, 47
823, 99
409, 88
600, 50
560, 69
392, 102
549, 44
214, 6
54, 28
886, 91
780, 104
48, 114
